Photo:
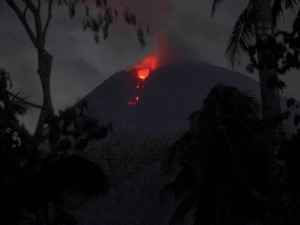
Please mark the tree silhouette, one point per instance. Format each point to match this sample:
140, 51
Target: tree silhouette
31, 15
14, 152
225, 174
256, 27
230, 173
33, 187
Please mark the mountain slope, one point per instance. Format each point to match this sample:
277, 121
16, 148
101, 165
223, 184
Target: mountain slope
170, 95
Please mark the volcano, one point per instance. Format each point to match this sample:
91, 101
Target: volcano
165, 98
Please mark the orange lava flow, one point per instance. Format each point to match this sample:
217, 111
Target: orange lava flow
135, 93
143, 70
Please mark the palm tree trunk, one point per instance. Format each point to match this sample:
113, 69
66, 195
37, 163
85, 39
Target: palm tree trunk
270, 96
44, 71
264, 30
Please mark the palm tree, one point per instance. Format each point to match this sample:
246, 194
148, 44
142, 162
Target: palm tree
256, 26
225, 174
11, 106
13, 142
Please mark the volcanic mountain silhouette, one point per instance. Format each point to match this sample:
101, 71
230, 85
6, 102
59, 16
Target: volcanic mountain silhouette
170, 95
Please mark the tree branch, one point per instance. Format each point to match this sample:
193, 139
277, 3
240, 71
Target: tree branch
48, 18
25, 11
40, 39
39, 5
22, 18
31, 6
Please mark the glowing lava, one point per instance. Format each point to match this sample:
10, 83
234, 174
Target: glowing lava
147, 65
143, 69
135, 94
143, 73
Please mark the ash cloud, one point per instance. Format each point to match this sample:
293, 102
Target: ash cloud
171, 48
168, 49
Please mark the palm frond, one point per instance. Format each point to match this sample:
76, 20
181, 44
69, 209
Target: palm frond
232, 102
291, 4
277, 11
242, 36
216, 3
279, 6
18, 105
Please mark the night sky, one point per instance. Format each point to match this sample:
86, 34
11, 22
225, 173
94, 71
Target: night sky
180, 30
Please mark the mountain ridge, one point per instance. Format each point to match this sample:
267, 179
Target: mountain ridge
180, 86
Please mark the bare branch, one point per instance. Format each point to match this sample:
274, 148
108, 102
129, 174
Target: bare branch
31, 6
38, 22
22, 18
39, 5
25, 11
49, 17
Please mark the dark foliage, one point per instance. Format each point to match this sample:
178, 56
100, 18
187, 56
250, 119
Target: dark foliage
243, 37
288, 195
289, 48
229, 173
225, 162
32, 187
285, 51
106, 15
73, 130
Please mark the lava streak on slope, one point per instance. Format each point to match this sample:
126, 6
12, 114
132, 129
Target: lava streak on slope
135, 95
143, 70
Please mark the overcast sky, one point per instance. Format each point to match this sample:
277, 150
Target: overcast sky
181, 28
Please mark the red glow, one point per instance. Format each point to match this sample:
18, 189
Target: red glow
132, 103
143, 70
143, 73
146, 65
